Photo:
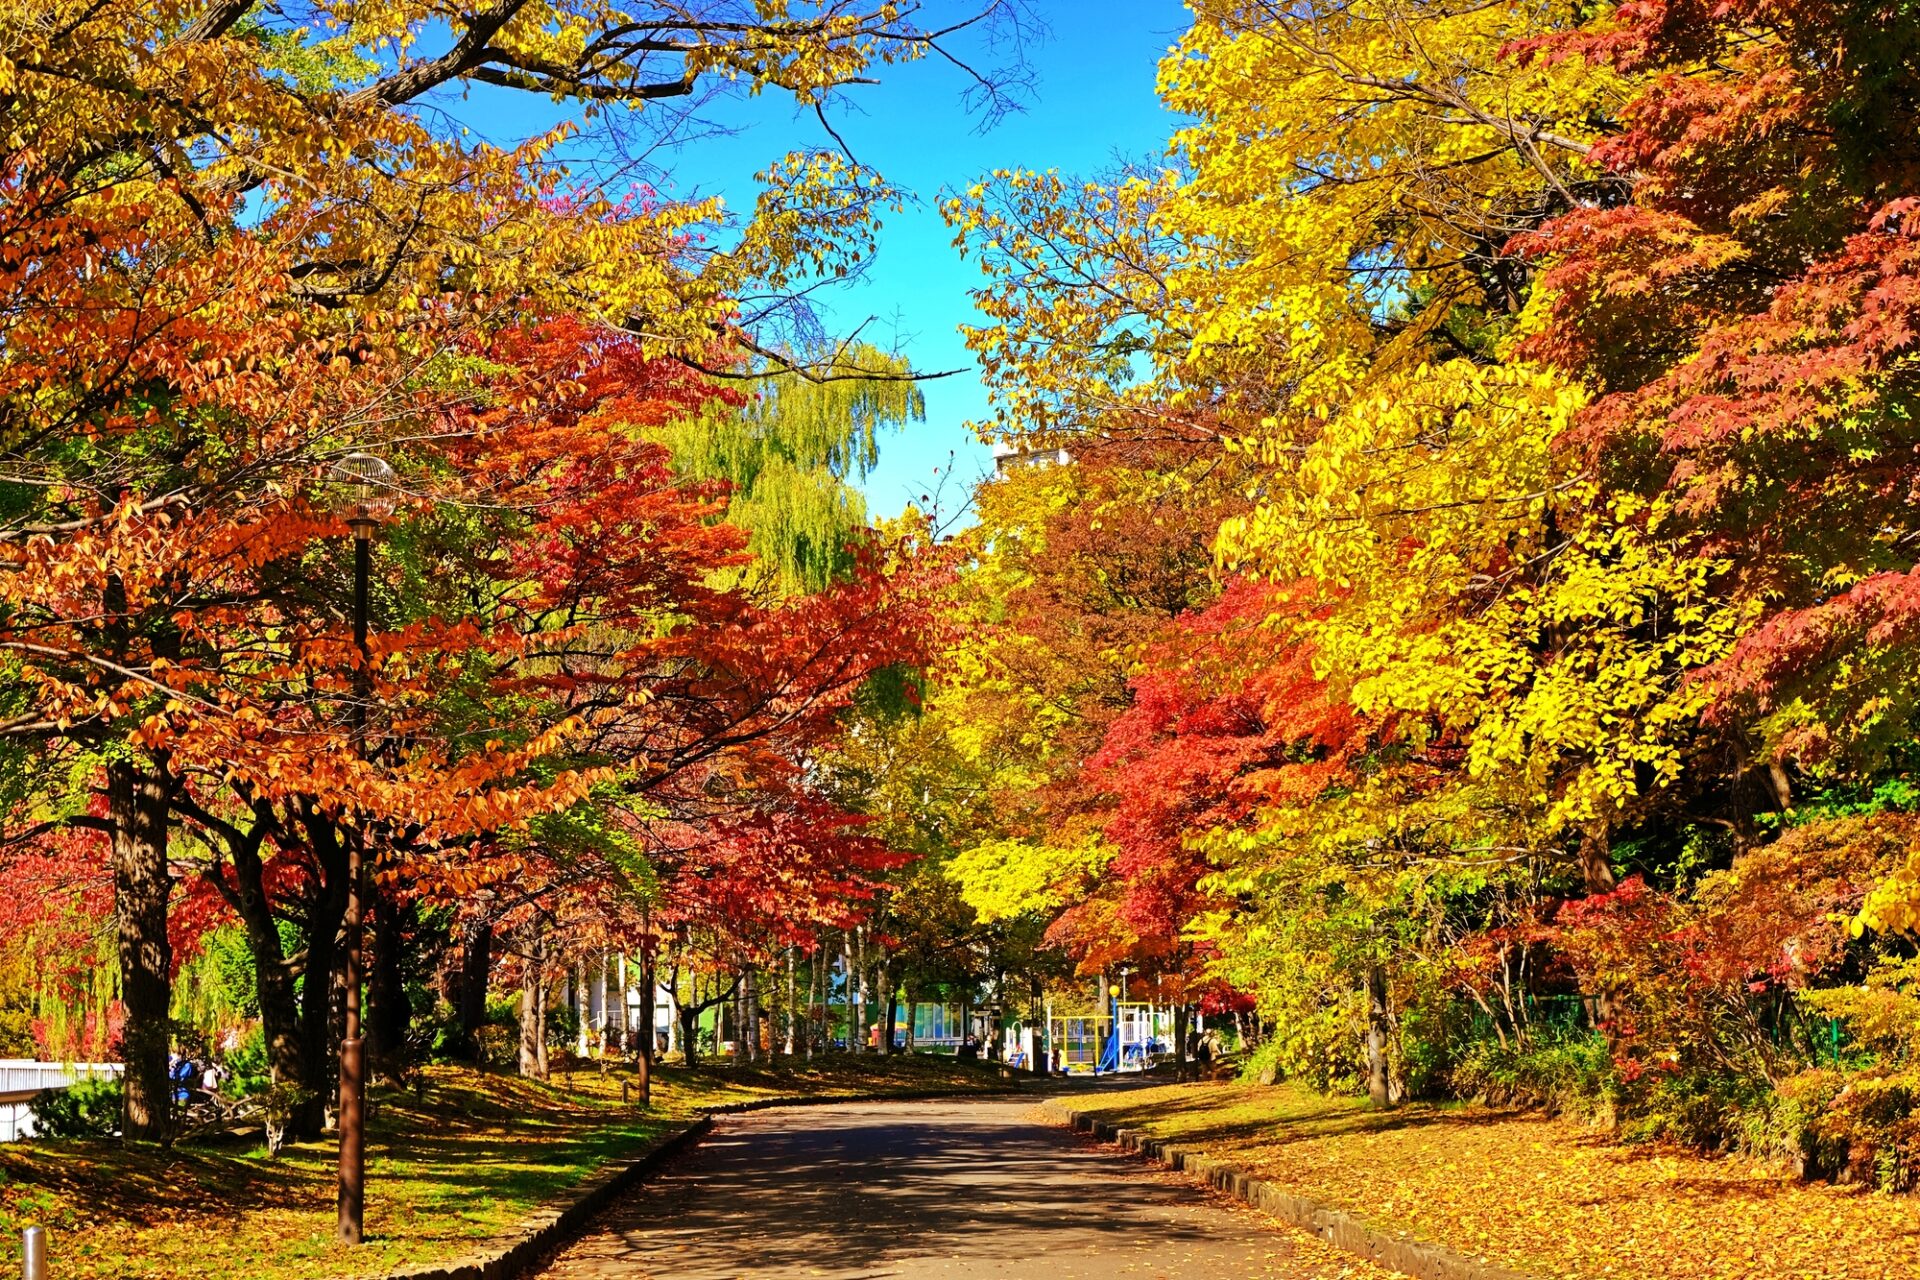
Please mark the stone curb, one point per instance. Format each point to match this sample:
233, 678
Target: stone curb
1395, 1250
545, 1229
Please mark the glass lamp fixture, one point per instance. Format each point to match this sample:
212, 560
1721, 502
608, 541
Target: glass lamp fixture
363, 491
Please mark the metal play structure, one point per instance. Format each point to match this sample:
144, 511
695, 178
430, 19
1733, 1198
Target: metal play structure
1146, 1036
1090, 1045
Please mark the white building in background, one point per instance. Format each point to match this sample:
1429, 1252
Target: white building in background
1008, 456
593, 992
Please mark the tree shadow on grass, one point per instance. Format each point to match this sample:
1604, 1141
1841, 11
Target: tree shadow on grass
145, 1186
1300, 1119
463, 1133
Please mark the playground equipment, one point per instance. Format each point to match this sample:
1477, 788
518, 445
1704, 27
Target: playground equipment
1089, 1045
1078, 1042
1146, 1036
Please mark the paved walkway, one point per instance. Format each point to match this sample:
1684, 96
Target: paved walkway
926, 1189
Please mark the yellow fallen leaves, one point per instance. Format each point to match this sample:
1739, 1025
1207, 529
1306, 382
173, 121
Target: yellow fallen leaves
1549, 1197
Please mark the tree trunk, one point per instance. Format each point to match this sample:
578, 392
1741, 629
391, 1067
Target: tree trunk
643, 1064
321, 982
813, 1000
793, 1007
295, 1113
743, 1038
735, 1011
851, 993
869, 1007
1103, 1013
325, 912
993, 1044
542, 1056
1596, 875
582, 1008
863, 985
889, 1003
673, 1010
1043, 1031
676, 1024
476, 962
689, 1034
617, 1010
1180, 1042
1377, 1030
597, 1003
533, 1006
1782, 785
913, 1004
1596, 868
823, 963
389, 1013
753, 1014
138, 799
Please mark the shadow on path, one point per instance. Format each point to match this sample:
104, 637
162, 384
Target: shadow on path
919, 1189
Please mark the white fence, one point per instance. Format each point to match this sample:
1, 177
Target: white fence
22, 1078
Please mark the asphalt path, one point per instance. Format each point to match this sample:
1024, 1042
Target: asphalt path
978, 1187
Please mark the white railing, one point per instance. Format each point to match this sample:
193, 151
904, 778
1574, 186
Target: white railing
22, 1078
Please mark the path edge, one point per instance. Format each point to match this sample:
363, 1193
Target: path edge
543, 1231
1396, 1250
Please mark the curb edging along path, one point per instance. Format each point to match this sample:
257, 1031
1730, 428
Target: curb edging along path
547, 1228
1337, 1227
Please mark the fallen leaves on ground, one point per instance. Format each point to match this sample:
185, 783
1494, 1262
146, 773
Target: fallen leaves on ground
1546, 1196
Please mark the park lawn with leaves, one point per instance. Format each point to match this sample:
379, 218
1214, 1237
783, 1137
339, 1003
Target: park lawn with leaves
1547, 1196
449, 1168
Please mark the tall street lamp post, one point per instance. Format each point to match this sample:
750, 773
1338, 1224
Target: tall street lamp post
363, 488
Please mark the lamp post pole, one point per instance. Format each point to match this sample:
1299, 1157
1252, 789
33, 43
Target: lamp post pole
353, 1101
363, 492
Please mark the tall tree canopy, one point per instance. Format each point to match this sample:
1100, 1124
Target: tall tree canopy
241, 244
1557, 354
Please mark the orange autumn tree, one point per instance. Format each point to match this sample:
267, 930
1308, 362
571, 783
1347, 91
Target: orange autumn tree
139, 548
276, 787
549, 648
236, 247
709, 726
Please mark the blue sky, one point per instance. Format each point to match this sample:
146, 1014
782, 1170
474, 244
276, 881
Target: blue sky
1093, 99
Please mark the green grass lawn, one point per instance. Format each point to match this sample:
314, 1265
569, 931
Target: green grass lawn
1549, 1197
447, 1170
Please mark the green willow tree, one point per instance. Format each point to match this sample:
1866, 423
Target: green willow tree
790, 455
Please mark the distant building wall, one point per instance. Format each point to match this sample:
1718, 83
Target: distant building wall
1010, 457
